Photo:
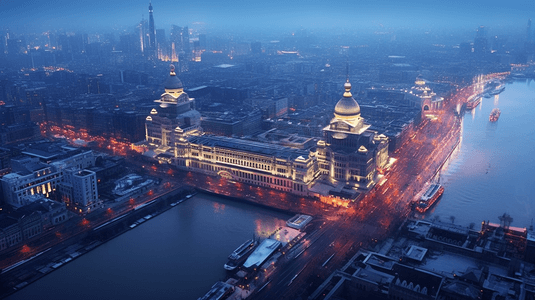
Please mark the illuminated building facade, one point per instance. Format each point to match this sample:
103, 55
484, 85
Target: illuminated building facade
422, 96
180, 47
40, 173
261, 164
78, 190
175, 117
41, 179
349, 154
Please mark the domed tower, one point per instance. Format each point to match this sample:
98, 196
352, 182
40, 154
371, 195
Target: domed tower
421, 95
174, 100
175, 117
347, 107
350, 152
173, 85
347, 113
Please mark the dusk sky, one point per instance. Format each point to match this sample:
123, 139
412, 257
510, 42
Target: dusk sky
28, 15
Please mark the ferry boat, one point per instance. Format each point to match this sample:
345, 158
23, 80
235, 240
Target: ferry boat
239, 255
429, 198
473, 103
497, 90
494, 115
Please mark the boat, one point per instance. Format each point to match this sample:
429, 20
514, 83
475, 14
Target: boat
473, 103
190, 195
497, 90
239, 255
494, 115
429, 198
264, 250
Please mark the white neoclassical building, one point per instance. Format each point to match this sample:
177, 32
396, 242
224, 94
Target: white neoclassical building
347, 157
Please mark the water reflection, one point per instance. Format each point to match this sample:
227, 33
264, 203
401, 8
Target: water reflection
492, 172
177, 255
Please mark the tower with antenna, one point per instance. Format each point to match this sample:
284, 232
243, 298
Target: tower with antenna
152, 30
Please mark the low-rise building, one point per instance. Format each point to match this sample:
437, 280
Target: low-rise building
10, 233
30, 177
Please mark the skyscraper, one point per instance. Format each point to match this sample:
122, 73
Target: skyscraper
480, 41
152, 30
141, 27
528, 31
180, 50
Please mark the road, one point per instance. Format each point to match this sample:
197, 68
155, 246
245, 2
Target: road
343, 232
80, 225
379, 213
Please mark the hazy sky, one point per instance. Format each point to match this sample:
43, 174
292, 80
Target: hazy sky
32, 15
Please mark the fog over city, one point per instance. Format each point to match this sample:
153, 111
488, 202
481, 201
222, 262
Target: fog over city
319, 150
68, 15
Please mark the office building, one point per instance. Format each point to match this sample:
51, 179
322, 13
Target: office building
79, 191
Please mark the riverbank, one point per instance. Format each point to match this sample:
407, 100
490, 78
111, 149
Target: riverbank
179, 253
45, 262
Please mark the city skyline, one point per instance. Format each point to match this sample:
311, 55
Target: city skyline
356, 146
28, 16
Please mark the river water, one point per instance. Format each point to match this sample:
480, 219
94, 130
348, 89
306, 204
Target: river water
493, 170
180, 253
177, 255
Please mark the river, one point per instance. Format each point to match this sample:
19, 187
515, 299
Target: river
180, 253
492, 172
177, 255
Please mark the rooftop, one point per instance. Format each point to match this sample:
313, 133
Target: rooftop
249, 146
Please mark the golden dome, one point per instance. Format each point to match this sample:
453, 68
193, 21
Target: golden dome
172, 82
347, 106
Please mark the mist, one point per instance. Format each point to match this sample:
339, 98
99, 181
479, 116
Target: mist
239, 15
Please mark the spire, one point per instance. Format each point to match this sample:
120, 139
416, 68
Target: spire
347, 86
347, 107
347, 71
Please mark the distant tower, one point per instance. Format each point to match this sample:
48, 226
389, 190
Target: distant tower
480, 41
528, 31
142, 41
152, 30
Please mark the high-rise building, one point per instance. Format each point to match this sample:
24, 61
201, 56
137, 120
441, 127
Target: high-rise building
528, 31
480, 41
161, 45
180, 46
152, 30
142, 31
